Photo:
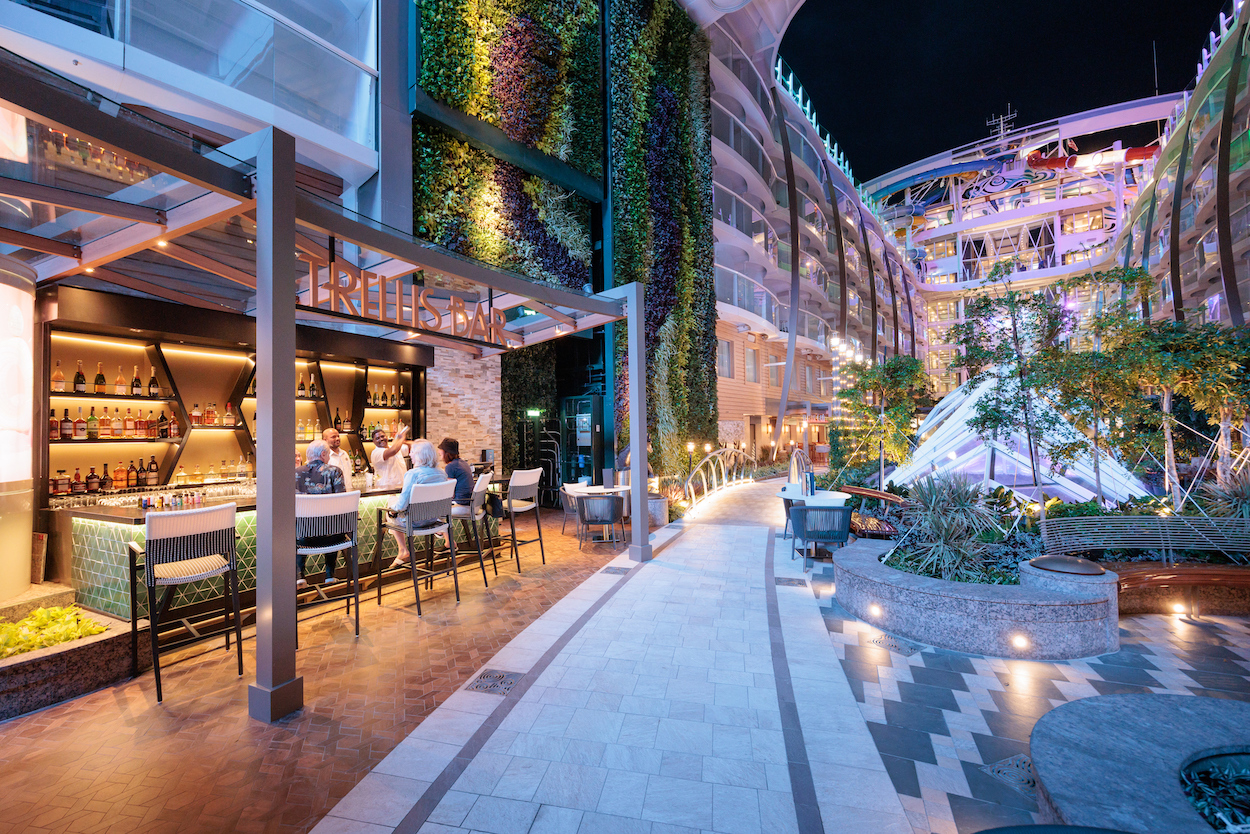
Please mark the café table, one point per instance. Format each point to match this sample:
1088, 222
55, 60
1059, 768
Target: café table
821, 498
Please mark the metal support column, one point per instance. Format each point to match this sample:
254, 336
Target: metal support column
640, 532
278, 691
792, 198
1223, 198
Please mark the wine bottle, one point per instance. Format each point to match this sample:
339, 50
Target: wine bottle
132, 475
119, 384
106, 480
136, 384
162, 427
101, 384
80, 380
54, 426
119, 476
338, 421
58, 378
93, 481
312, 385
154, 390
106, 425
302, 391
93, 425
67, 427
80, 426
118, 425
394, 399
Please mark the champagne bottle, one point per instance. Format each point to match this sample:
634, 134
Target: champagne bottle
54, 426
132, 475
312, 385
67, 427
136, 384
302, 391
80, 380
403, 398
93, 481
394, 399
106, 480
80, 426
101, 384
154, 390
106, 425
58, 378
93, 425
338, 421
119, 384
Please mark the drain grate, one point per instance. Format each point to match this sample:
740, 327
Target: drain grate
794, 583
495, 682
617, 571
1016, 772
902, 647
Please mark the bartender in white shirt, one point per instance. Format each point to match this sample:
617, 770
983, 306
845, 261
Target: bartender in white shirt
338, 457
389, 465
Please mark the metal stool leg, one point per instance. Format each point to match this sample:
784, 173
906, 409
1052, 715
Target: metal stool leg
451, 552
154, 616
355, 557
238, 625
538, 522
225, 607
412, 565
481, 560
516, 554
377, 554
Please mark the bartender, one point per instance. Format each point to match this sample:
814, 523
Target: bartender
338, 458
389, 465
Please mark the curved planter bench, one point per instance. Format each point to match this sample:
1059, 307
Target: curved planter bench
1049, 616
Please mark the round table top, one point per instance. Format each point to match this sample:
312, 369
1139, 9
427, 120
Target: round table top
588, 489
822, 498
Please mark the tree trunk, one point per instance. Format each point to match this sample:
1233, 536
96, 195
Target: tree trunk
1097, 466
1169, 457
1225, 468
881, 449
1245, 431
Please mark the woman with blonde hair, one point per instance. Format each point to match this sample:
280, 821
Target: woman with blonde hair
424, 471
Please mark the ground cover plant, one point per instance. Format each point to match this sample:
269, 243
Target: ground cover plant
45, 627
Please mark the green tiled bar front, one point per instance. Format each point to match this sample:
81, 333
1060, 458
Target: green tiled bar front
100, 572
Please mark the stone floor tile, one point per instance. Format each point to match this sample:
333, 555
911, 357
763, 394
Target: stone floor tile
571, 786
607, 824
683, 736
453, 808
339, 825
381, 799
495, 815
554, 820
623, 794
678, 802
520, 779
735, 810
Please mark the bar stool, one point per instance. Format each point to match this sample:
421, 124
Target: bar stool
331, 514
522, 498
427, 515
183, 547
473, 513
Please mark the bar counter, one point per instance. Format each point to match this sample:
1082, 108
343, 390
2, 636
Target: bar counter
90, 546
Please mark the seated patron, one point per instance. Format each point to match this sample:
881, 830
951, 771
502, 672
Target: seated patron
318, 477
456, 469
424, 471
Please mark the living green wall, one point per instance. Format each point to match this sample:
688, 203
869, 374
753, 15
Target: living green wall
662, 218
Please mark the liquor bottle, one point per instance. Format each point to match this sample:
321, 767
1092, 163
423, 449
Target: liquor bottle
197, 477
54, 426
80, 380
93, 481
128, 428
80, 426
106, 480
162, 425
312, 385
210, 415
141, 425
230, 416
119, 476
347, 424
394, 399
175, 430
106, 425
119, 384
181, 478
251, 466
136, 384
211, 477
101, 384
77, 486
67, 427
403, 398
154, 390
197, 419
338, 421
153, 428
299, 430
231, 473
59, 483
118, 425
132, 476
58, 378
316, 432
154, 472
302, 391
93, 425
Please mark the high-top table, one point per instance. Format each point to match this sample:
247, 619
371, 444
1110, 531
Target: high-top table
821, 498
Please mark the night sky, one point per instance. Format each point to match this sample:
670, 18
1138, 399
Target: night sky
894, 83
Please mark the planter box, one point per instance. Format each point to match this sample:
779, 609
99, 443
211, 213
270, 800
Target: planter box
48, 676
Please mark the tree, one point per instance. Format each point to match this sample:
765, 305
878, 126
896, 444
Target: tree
1218, 384
883, 400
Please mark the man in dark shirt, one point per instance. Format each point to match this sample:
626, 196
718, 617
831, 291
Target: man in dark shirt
317, 477
456, 469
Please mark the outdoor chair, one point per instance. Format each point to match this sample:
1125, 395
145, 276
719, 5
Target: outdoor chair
568, 501
474, 513
179, 548
330, 515
428, 514
523, 498
606, 511
819, 525
786, 505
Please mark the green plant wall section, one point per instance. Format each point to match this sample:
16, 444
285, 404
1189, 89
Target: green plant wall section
662, 218
528, 381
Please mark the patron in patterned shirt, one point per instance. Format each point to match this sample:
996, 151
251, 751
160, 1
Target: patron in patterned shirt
318, 477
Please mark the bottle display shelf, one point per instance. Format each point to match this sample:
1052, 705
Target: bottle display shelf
71, 395
115, 440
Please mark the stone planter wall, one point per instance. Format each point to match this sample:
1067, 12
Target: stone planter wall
1059, 616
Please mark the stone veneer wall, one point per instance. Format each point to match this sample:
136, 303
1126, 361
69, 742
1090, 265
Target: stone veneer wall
463, 401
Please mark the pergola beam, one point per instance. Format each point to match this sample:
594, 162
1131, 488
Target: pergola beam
140, 285
192, 258
65, 198
48, 246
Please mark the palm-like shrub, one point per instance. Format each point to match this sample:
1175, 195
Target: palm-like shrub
1231, 500
951, 527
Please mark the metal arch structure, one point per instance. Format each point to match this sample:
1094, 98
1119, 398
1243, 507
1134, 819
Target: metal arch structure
949, 445
718, 471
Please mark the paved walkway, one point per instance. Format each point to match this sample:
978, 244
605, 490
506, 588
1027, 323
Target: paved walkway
719, 689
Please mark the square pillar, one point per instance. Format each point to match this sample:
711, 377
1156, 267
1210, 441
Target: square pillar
278, 691
640, 527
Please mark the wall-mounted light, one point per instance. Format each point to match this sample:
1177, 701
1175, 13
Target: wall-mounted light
1178, 608
874, 610
1020, 641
